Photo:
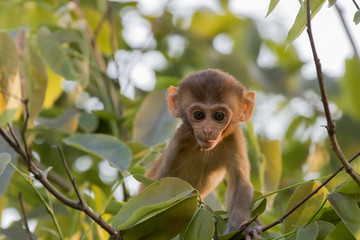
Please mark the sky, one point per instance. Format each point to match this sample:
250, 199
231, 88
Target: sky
331, 41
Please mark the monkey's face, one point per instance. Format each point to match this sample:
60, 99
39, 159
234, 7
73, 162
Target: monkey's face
208, 123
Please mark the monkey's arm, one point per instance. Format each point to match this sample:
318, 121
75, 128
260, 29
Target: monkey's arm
239, 192
239, 203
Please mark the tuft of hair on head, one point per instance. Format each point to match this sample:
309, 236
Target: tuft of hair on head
211, 85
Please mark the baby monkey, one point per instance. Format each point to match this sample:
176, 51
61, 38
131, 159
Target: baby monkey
209, 142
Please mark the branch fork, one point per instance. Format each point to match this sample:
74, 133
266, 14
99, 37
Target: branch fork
25, 152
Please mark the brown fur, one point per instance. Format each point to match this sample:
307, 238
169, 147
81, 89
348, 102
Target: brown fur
190, 157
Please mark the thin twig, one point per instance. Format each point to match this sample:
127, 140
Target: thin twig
356, 5
11, 130
7, 138
243, 226
5, 93
113, 42
331, 127
23, 131
280, 220
27, 230
101, 22
351, 39
216, 230
72, 179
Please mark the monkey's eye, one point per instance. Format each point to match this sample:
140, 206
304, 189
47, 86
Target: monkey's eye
198, 115
219, 116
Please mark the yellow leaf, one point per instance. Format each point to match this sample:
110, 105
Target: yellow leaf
53, 90
2, 102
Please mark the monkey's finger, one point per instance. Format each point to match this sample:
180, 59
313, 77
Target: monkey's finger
247, 237
258, 229
254, 234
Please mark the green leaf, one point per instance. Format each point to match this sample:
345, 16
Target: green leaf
331, 2
272, 6
324, 229
33, 71
271, 152
350, 98
144, 180
140, 152
340, 232
348, 210
258, 162
271, 236
174, 219
351, 187
103, 146
259, 206
67, 122
304, 213
9, 77
15, 232
14, 14
156, 198
163, 82
357, 17
54, 55
88, 122
201, 226
308, 232
208, 24
228, 236
79, 61
300, 21
8, 171
113, 207
153, 123
4, 160
9, 61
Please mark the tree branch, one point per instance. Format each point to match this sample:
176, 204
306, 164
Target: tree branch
13, 141
331, 127
38, 174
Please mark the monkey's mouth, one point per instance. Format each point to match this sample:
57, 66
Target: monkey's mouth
206, 144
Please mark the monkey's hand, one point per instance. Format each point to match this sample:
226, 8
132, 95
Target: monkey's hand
252, 232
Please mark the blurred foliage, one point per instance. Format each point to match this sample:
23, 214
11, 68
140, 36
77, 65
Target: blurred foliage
89, 70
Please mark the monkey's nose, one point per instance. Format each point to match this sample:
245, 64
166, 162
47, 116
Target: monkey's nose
207, 131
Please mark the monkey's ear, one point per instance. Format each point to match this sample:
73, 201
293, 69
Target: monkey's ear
172, 100
248, 106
